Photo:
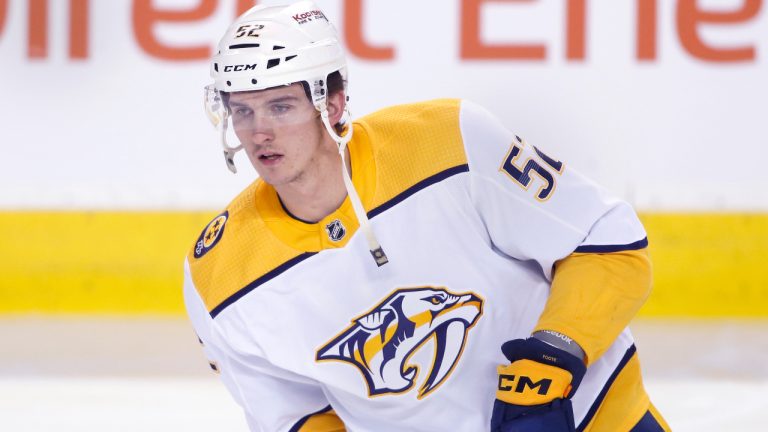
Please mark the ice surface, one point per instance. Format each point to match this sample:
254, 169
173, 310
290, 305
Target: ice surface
118, 374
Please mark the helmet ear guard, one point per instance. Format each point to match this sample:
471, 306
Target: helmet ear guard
320, 100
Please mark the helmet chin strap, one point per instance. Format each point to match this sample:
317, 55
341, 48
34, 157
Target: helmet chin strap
373, 244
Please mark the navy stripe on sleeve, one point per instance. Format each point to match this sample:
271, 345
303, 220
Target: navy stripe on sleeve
304, 419
640, 244
599, 399
647, 424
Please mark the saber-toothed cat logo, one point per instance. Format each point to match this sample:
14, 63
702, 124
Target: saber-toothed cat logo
381, 342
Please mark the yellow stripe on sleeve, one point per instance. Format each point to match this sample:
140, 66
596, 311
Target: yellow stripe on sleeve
595, 296
625, 402
323, 422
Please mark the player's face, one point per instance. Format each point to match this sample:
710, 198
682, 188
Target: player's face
280, 131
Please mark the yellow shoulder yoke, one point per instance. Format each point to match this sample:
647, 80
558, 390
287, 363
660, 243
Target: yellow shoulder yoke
394, 152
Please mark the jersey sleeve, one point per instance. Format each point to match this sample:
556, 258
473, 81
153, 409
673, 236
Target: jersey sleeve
535, 207
591, 246
273, 399
595, 295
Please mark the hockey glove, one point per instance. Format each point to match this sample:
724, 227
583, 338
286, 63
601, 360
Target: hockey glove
534, 390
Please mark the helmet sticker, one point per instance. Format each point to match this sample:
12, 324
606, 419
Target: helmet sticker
303, 18
248, 30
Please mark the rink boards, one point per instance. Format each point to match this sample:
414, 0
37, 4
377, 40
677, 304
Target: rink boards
706, 265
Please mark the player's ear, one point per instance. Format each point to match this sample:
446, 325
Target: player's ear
336, 103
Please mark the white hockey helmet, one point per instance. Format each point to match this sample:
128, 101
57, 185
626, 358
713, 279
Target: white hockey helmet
271, 46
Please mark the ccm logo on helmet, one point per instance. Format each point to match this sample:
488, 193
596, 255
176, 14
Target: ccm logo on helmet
238, 68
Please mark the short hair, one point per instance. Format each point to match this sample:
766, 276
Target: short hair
335, 84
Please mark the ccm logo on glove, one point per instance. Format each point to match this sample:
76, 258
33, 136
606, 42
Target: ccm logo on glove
526, 382
522, 383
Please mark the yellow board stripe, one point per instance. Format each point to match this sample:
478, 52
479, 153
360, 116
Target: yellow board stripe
95, 262
705, 265
708, 265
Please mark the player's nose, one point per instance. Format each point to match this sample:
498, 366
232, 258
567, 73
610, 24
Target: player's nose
261, 131
260, 137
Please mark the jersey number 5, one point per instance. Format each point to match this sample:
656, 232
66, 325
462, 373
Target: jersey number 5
521, 173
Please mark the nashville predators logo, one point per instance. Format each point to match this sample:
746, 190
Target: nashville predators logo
211, 235
381, 342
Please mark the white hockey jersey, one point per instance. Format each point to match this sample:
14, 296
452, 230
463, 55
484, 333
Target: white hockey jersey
300, 321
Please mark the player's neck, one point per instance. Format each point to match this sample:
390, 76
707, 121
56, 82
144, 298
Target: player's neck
319, 194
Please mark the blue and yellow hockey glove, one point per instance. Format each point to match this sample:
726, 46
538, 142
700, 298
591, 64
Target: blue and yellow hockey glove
534, 390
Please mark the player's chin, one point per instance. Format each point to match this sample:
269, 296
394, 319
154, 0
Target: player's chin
272, 176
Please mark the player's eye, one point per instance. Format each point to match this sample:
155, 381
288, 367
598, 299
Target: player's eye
279, 109
242, 111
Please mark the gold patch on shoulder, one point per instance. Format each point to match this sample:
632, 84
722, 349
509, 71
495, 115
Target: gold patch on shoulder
211, 235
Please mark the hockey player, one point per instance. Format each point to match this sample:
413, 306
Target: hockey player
419, 269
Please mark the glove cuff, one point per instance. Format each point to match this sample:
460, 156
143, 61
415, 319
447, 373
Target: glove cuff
559, 340
541, 352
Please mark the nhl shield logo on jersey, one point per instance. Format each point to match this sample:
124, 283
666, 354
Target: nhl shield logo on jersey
380, 343
211, 235
335, 230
